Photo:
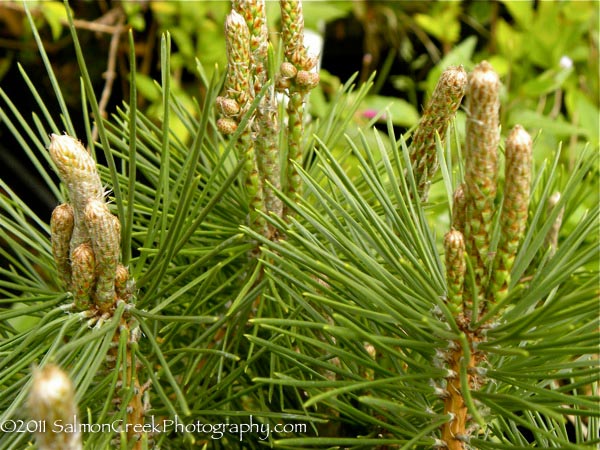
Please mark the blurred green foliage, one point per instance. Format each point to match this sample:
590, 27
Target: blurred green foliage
545, 52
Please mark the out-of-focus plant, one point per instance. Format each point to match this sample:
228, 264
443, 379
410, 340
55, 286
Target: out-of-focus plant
545, 53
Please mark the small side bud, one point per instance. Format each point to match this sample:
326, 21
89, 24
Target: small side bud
307, 80
456, 267
105, 234
288, 70
84, 267
228, 106
459, 203
281, 84
52, 400
227, 125
61, 229
122, 282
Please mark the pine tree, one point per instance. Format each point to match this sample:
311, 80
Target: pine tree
216, 282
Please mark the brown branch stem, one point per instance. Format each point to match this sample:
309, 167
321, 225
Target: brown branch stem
110, 74
454, 404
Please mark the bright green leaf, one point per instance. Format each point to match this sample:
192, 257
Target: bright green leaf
509, 41
401, 112
147, 87
547, 82
442, 24
532, 120
315, 13
585, 113
54, 13
521, 11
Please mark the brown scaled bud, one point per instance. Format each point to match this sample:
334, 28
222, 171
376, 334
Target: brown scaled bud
307, 80
288, 70
226, 125
281, 84
456, 267
105, 234
122, 282
228, 106
61, 229
83, 265
459, 208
